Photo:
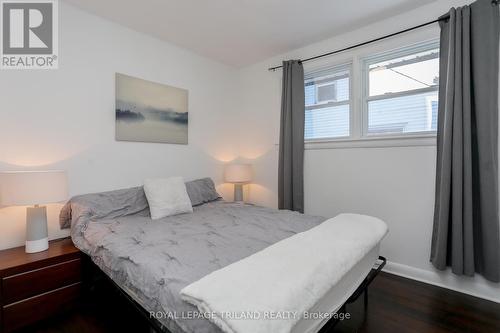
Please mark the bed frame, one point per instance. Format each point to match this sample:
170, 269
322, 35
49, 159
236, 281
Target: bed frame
95, 274
362, 289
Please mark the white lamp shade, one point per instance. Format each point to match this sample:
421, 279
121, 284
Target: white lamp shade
23, 188
238, 173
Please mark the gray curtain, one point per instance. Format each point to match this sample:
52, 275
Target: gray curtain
466, 224
291, 154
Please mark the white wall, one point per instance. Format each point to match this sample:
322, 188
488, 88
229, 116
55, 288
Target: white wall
64, 119
393, 183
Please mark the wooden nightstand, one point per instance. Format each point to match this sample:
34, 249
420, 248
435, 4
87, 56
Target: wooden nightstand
37, 285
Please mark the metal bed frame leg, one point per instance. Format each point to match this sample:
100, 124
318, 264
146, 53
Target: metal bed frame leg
366, 300
363, 288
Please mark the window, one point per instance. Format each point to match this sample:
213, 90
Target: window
391, 96
401, 91
327, 109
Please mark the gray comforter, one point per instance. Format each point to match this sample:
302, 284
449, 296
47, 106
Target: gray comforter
153, 260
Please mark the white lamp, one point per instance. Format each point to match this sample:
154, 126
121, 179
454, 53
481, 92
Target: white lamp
26, 188
238, 174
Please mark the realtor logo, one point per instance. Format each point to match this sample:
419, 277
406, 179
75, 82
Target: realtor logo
29, 34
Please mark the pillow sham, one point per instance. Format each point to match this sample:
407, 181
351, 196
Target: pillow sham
167, 197
201, 191
109, 205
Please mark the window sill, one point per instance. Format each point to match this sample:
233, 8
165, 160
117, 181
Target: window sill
375, 142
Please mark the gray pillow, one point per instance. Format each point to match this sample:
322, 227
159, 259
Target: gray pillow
111, 204
201, 191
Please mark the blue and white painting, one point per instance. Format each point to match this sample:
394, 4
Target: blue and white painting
150, 112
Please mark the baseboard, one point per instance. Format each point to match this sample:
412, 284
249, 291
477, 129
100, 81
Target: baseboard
477, 286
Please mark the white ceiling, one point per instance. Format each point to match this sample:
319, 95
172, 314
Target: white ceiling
243, 32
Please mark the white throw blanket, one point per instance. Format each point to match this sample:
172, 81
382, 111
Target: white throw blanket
271, 289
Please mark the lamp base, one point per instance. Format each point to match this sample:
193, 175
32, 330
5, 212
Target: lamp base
238, 192
37, 245
37, 237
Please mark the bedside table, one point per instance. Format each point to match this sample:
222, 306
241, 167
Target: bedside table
34, 286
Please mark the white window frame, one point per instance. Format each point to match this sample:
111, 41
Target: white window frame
365, 97
344, 66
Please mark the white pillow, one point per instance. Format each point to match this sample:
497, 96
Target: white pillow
167, 197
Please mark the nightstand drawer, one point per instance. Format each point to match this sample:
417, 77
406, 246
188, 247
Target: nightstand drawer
36, 308
35, 282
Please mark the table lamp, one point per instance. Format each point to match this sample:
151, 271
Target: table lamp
32, 188
238, 174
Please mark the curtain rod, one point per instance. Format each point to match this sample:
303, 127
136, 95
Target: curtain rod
442, 18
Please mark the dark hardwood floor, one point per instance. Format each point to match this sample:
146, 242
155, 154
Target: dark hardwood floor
395, 305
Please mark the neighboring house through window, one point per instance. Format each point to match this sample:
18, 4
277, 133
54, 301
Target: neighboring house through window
328, 98
401, 91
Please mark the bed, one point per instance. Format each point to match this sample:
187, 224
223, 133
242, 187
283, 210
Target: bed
151, 261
